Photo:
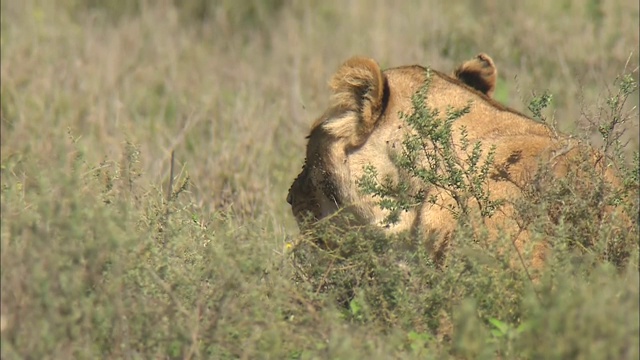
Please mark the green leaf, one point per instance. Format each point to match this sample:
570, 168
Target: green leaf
354, 307
504, 328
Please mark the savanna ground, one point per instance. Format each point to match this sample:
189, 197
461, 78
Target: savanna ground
100, 261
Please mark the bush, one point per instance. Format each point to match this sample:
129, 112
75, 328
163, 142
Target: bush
475, 302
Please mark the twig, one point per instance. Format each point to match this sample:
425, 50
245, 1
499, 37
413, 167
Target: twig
170, 188
524, 265
169, 291
165, 221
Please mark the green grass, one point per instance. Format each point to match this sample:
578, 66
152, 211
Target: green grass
98, 262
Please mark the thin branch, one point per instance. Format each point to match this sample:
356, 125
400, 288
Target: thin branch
170, 187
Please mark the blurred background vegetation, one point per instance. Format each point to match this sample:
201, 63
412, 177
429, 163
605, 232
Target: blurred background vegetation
98, 262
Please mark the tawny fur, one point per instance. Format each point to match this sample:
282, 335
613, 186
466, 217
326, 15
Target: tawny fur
362, 127
480, 73
363, 78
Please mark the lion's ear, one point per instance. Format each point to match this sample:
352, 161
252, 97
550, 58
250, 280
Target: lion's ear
357, 100
480, 73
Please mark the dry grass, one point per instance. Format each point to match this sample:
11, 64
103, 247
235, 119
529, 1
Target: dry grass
96, 95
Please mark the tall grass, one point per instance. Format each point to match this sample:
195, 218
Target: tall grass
97, 261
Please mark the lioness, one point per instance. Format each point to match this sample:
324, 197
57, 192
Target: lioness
363, 126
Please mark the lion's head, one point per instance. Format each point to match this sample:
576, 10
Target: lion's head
363, 96
364, 127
